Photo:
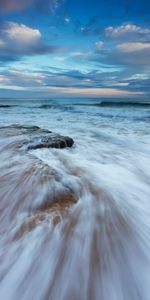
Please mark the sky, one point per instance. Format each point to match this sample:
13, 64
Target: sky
74, 48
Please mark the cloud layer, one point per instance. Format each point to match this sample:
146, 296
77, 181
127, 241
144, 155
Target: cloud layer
104, 45
129, 59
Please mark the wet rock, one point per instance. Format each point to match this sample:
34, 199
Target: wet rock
33, 137
60, 204
35, 189
50, 141
19, 130
50, 213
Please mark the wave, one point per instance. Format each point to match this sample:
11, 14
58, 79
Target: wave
122, 104
6, 106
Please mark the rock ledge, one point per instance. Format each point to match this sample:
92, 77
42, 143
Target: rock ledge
33, 137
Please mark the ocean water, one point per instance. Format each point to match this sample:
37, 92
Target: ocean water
100, 247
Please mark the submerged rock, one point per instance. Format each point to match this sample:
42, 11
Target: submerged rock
33, 137
29, 186
35, 191
50, 213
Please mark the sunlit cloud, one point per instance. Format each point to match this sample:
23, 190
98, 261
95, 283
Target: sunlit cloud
18, 40
129, 31
125, 30
76, 92
133, 47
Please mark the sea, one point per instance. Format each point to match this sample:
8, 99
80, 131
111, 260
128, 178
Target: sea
98, 248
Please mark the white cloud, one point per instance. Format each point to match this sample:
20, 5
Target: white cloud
22, 79
80, 55
59, 58
67, 20
130, 48
18, 40
126, 29
99, 45
133, 47
21, 33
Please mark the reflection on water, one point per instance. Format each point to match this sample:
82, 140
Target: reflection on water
75, 223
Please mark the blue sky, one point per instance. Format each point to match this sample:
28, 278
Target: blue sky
74, 48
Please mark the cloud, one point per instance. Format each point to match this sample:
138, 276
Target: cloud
140, 85
128, 49
22, 79
73, 82
56, 92
59, 78
14, 5
133, 57
21, 33
128, 31
99, 45
71, 79
133, 47
59, 58
67, 20
79, 55
17, 40
8, 6
92, 92
124, 30
114, 63
4, 79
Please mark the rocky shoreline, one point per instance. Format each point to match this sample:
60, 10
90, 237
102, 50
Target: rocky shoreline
30, 178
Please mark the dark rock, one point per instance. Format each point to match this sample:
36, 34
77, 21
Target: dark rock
50, 141
33, 137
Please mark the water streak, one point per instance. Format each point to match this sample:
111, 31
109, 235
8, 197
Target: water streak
75, 223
